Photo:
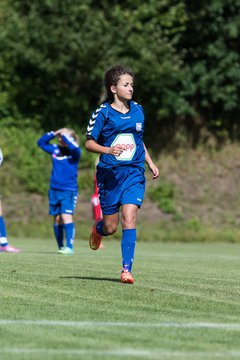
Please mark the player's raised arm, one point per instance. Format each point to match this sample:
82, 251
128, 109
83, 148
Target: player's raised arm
44, 142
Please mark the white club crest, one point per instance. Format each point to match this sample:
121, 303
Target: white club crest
138, 126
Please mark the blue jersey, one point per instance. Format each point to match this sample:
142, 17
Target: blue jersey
109, 127
64, 161
1, 157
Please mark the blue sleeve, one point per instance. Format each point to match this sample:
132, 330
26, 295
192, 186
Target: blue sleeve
44, 144
96, 123
1, 157
73, 146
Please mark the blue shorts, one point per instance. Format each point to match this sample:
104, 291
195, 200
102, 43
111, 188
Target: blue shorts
120, 186
62, 201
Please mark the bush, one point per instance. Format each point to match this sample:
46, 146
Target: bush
27, 167
164, 195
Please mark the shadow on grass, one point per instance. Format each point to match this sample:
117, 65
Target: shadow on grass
89, 278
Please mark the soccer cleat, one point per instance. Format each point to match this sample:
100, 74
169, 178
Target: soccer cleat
126, 277
66, 251
95, 240
9, 248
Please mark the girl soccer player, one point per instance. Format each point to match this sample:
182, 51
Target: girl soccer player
63, 190
115, 130
4, 245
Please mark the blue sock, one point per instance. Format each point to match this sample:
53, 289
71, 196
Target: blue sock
99, 228
129, 237
70, 234
58, 232
3, 232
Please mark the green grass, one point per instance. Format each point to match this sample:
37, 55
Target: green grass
161, 231
183, 305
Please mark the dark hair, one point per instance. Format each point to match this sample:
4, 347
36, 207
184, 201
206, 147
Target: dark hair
112, 77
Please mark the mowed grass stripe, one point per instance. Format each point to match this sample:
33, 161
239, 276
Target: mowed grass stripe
184, 301
153, 354
95, 324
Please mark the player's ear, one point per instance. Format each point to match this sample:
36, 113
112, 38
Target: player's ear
113, 89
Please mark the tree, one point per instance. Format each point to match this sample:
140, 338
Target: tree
185, 55
59, 51
212, 67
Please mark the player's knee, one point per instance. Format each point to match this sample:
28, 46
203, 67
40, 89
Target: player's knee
57, 219
110, 228
129, 222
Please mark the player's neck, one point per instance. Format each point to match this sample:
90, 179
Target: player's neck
120, 106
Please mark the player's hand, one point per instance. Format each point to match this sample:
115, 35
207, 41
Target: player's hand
57, 132
116, 150
154, 170
61, 131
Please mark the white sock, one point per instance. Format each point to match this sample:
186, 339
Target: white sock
3, 240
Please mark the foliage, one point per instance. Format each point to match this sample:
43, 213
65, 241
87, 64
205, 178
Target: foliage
28, 165
212, 82
163, 194
22, 155
63, 48
193, 224
185, 55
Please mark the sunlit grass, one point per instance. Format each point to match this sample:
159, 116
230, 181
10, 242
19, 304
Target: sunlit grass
178, 287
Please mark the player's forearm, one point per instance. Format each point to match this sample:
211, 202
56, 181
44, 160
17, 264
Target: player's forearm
71, 143
148, 159
94, 147
44, 140
151, 164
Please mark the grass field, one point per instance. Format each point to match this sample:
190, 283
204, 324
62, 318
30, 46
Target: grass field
183, 305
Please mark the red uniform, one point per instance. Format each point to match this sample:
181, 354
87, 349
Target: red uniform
97, 211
